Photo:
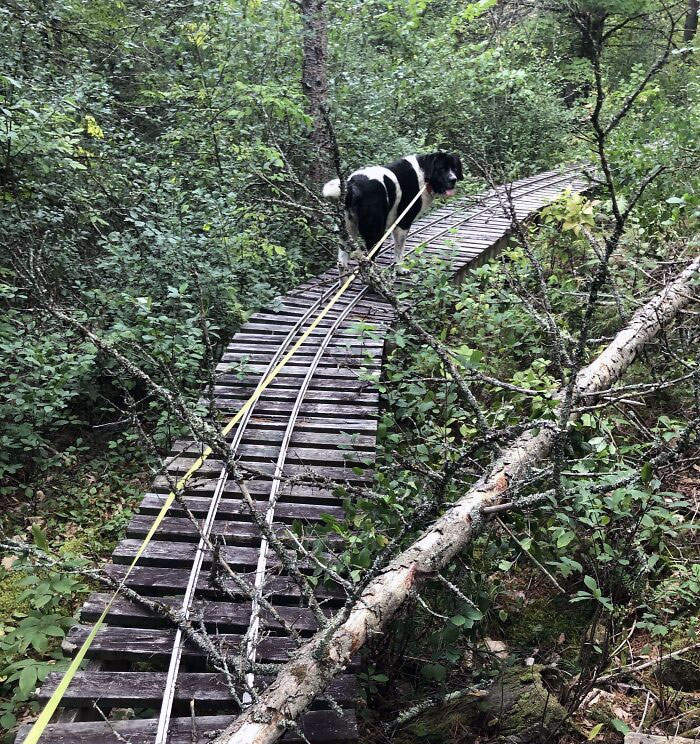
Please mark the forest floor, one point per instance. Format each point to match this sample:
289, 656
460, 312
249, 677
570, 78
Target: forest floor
78, 514
545, 635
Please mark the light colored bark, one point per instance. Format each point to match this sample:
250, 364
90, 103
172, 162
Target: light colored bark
314, 664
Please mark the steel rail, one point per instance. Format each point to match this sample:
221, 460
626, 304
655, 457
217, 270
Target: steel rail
549, 179
205, 531
176, 653
491, 194
459, 204
254, 623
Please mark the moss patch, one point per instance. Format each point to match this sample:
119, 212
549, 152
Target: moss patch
520, 708
681, 673
449, 723
517, 709
10, 590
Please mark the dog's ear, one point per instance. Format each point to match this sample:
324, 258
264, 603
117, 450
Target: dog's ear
428, 166
457, 167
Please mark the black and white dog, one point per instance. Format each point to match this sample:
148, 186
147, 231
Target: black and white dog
375, 196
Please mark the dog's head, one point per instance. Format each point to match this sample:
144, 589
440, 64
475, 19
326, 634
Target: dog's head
442, 171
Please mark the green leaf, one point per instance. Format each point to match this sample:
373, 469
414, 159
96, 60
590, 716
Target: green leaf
40, 642
473, 613
435, 672
620, 726
564, 539
40, 538
439, 672
53, 630
364, 558
27, 680
595, 731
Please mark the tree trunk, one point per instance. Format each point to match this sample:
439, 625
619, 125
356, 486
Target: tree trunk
592, 26
691, 20
328, 652
314, 82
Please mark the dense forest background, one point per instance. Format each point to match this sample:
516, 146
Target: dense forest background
160, 166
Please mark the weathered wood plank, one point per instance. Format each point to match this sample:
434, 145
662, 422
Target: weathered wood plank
224, 617
243, 392
361, 411
323, 727
234, 532
236, 354
327, 439
341, 376
263, 336
159, 581
297, 493
237, 509
169, 553
155, 644
259, 452
209, 690
342, 382
310, 422
353, 475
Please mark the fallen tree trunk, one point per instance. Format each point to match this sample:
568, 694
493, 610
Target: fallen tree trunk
315, 663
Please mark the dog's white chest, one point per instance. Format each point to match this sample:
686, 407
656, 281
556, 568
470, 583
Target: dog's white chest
426, 197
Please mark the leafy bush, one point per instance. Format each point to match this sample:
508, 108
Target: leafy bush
30, 637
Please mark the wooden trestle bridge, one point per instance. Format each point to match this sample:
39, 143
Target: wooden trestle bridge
317, 420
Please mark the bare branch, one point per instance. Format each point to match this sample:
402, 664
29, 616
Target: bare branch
314, 664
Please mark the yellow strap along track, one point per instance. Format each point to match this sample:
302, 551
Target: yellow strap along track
309, 412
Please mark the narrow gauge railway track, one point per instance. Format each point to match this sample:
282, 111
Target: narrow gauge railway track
316, 423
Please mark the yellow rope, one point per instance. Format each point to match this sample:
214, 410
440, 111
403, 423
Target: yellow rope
49, 709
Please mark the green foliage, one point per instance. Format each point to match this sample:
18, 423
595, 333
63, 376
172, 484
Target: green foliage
43, 379
30, 637
36, 603
439, 84
154, 171
371, 678
123, 184
609, 549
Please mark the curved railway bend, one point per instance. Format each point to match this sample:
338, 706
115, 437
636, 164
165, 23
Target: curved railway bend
317, 419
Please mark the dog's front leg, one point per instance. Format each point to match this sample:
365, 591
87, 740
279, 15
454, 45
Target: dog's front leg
343, 263
399, 235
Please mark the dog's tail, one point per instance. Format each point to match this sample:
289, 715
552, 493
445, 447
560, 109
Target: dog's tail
332, 189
